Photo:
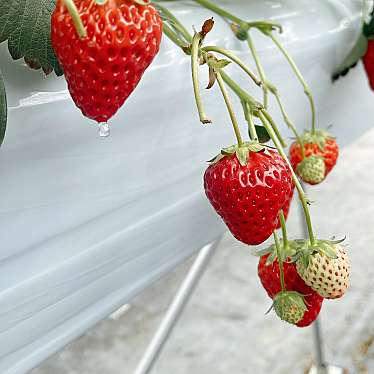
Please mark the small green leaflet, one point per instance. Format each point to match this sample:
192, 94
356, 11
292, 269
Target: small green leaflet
26, 24
3, 109
262, 134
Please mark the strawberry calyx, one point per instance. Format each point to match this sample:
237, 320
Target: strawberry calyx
305, 251
289, 306
241, 151
287, 252
319, 137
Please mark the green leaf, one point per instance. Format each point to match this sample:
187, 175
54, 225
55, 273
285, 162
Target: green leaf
357, 52
26, 24
262, 134
218, 64
368, 28
264, 251
3, 109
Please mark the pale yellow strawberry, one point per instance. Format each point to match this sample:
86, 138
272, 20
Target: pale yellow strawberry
328, 275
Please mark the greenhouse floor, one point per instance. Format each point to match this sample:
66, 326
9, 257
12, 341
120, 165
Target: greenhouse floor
224, 328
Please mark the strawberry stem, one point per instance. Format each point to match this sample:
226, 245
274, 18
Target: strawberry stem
275, 128
173, 36
302, 196
195, 76
168, 17
234, 59
282, 220
300, 77
285, 116
249, 118
229, 107
280, 260
78, 24
260, 70
222, 12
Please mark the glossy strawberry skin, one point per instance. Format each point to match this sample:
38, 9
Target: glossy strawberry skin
287, 205
270, 280
249, 198
105, 67
330, 153
368, 61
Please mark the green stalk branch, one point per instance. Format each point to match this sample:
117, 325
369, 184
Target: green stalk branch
286, 118
282, 220
229, 108
78, 24
280, 260
299, 77
195, 62
233, 58
275, 128
222, 12
260, 69
249, 118
174, 22
173, 36
302, 197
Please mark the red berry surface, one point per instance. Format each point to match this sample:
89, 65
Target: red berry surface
287, 205
249, 198
368, 61
330, 153
103, 68
270, 279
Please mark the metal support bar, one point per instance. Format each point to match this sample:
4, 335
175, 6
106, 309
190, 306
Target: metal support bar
176, 308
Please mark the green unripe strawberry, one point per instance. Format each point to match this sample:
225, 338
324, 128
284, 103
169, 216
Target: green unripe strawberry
290, 306
312, 169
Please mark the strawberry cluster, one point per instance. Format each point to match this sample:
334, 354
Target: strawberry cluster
313, 156
105, 47
314, 272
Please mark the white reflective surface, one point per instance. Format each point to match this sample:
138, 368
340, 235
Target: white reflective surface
87, 222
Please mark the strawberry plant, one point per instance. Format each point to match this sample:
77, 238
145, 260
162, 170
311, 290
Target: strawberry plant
104, 47
249, 187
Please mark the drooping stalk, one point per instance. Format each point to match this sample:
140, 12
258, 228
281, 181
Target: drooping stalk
260, 70
282, 220
229, 108
249, 118
195, 76
287, 119
275, 128
74, 13
302, 196
173, 36
222, 12
280, 260
300, 78
174, 22
242, 95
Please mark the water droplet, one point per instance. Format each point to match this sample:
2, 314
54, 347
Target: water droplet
104, 130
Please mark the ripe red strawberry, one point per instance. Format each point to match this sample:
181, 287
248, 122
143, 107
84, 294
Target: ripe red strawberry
249, 194
103, 68
321, 144
368, 61
270, 279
